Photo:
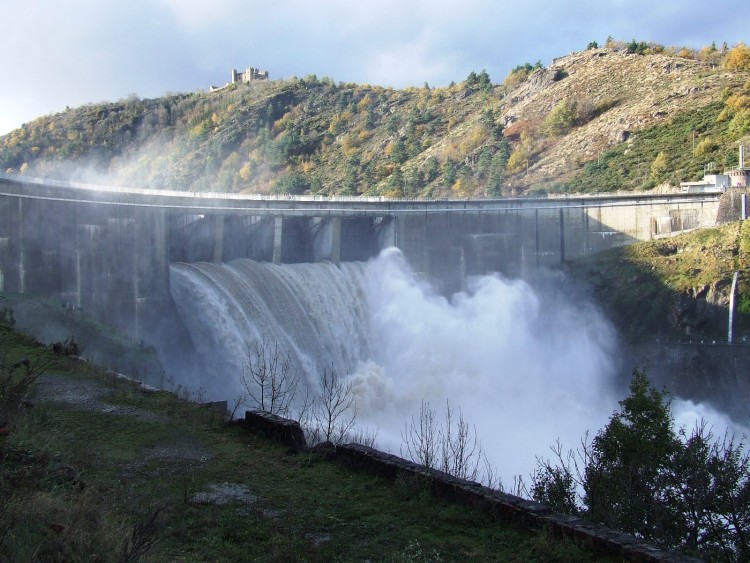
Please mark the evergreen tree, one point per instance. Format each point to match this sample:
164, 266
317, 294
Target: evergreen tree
628, 474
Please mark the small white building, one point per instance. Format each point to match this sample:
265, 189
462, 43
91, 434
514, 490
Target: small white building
709, 183
736, 177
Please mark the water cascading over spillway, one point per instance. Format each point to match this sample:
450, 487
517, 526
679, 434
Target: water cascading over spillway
523, 368
314, 313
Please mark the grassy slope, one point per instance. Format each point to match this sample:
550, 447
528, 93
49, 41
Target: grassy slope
640, 283
78, 485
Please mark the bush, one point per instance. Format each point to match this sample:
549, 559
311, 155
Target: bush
560, 120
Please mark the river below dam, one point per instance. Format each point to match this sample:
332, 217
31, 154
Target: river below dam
526, 365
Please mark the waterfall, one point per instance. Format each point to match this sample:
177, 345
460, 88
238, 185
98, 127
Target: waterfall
524, 366
315, 313
731, 308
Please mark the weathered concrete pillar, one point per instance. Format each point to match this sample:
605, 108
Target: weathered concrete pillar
334, 225
11, 210
278, 224
412, 239
151, 273
22, 250
217, 236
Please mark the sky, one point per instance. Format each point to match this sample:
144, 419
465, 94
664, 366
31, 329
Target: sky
59, 54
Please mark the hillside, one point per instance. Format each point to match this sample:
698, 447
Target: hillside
669, 300
613, 118
96, 468
676, 288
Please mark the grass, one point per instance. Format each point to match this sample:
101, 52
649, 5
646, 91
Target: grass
640, 284
81, 485
628, 166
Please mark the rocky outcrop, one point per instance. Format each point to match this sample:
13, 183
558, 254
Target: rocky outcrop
701, 310
635, 92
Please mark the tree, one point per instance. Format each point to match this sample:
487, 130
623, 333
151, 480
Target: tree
497, 170
710, 492
679, 490
561, 119
294, 183
556, 484
659, 166
351, 179
421, 438
450, 173
479, 81
431, 169
627, 474
738, 58
396, 183
399, 153
333, 412
268, 379
450, 446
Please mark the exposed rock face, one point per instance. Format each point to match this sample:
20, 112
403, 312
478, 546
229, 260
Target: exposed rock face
701, 310
706, 370
639, 91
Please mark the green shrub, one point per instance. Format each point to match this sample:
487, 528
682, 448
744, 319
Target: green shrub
560, 120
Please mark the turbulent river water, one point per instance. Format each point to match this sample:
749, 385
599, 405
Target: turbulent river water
525, 365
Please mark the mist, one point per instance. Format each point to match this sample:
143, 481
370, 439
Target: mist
527, 363
524, 368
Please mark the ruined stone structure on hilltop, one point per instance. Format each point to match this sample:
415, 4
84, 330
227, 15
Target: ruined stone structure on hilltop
250, 74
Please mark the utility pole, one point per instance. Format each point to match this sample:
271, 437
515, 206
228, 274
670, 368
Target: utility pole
693, 143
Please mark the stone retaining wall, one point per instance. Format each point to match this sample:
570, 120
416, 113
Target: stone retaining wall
730, 205
502, 506
283, 430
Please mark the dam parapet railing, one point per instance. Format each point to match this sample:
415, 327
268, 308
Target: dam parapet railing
627, 198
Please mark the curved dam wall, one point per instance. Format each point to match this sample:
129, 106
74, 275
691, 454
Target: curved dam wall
107, 250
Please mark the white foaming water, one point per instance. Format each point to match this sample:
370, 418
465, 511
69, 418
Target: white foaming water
687, 414
524, 369
315, 313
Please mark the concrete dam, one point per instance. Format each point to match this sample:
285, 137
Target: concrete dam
108, 250
205, 277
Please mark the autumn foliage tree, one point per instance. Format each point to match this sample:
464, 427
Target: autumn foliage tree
738, 58
561, 119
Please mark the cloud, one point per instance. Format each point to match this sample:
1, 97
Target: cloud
67, 54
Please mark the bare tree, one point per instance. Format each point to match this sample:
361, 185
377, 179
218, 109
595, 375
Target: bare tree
452, 446
268, 379
421, 437
364, 437
461, 452
334, 412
